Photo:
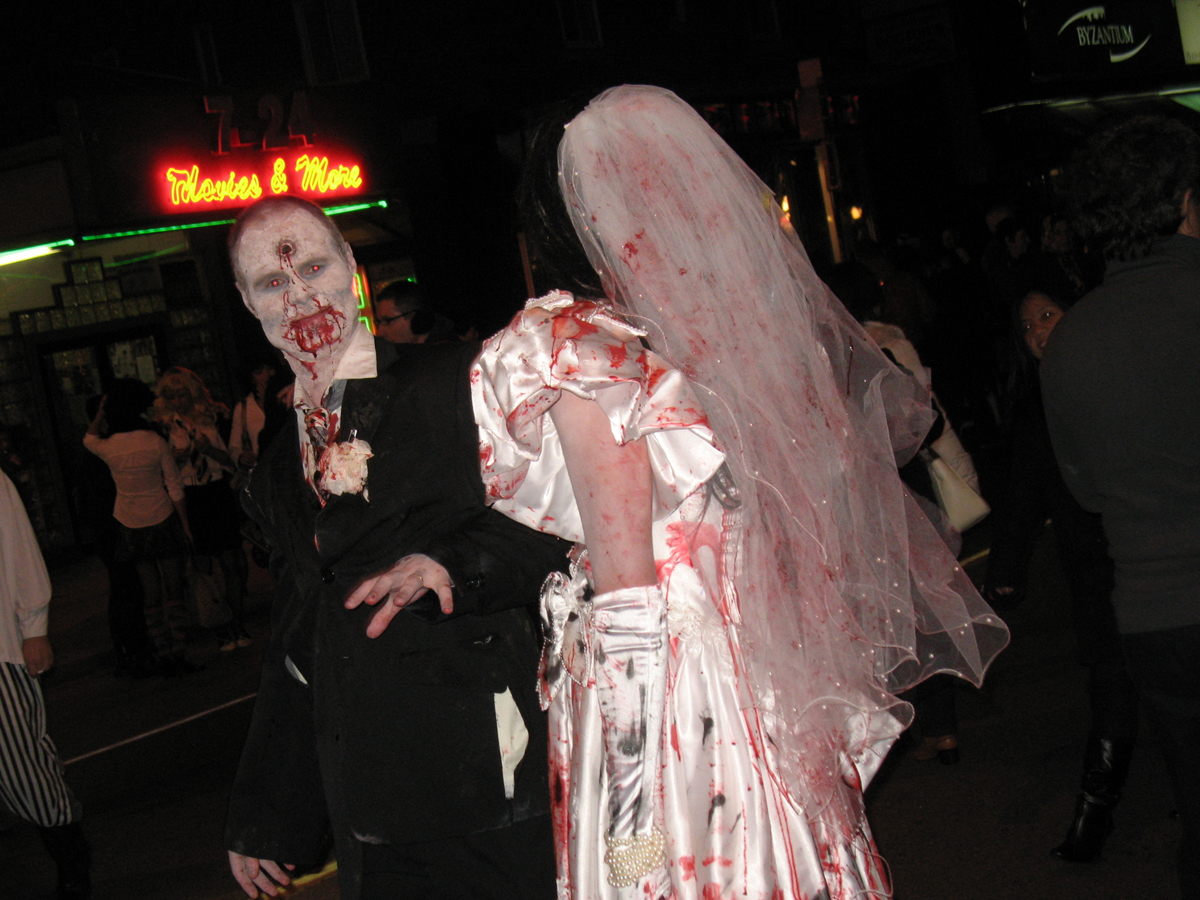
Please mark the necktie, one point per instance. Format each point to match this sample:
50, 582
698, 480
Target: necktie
316, 424
322, 425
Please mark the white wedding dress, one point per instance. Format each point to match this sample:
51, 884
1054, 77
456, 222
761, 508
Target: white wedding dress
732, 827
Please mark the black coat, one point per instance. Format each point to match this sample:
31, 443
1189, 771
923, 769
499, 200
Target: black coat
1036, 490
392, 739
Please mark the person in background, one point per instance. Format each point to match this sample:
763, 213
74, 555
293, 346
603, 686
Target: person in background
904, 300
1036, 490
185, 408
31, 776
935, 717
150, 508
257, 420
15, 455
1121, 381
403, 316
96, 494
1061, 270
995, 255
1010, 281
256, 414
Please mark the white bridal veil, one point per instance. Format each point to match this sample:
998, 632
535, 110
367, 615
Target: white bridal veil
845, 591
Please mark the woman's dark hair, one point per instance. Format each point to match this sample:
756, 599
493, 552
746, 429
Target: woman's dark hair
1020, 376
125, 402
558, 259
1055, 296
256, 360
1127, 184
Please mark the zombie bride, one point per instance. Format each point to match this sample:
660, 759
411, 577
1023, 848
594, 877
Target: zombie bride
752, 584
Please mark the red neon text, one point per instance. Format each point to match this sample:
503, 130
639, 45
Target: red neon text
320, 178
187, 188
316, 175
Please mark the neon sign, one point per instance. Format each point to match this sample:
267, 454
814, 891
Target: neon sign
188, 189
314, 175
318, 177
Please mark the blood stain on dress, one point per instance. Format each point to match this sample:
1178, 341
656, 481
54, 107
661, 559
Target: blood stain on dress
687, 868
618, 354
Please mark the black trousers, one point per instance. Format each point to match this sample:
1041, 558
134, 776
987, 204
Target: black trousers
1166, 667
514, 863
126, 619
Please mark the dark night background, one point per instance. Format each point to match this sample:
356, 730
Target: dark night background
920, 72
929, 106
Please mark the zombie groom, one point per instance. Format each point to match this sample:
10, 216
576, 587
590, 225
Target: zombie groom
419, 749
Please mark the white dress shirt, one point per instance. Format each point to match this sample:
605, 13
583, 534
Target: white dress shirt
24, 582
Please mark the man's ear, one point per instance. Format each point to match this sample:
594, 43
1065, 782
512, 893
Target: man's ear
237, 279
349, 257
1191, 216
246, 300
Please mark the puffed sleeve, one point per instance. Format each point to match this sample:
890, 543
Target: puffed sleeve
559, 344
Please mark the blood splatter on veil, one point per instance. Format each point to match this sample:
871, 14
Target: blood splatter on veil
846, 594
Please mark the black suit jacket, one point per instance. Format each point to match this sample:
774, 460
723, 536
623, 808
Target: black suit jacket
392, 739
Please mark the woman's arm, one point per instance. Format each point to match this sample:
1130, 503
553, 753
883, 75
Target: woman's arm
614, 492
92, 439
173, 483
207, 440
613, 489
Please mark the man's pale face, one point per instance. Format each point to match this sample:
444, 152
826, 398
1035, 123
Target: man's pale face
299, 283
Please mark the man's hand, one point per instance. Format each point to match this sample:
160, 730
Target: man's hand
39, 655
401, 585
254, 874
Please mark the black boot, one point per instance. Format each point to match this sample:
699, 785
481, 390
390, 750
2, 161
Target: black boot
70, 851
1105, 765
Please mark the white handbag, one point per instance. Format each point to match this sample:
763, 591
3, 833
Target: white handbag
959, 501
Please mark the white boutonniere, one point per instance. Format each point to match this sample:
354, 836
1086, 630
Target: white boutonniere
343, 467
